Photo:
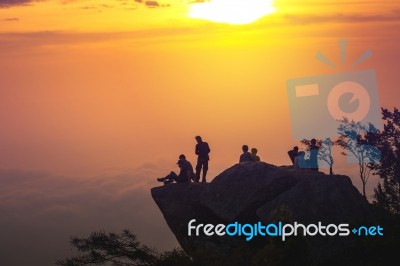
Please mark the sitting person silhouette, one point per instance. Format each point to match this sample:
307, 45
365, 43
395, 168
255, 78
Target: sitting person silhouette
186, 173
256, 158
246, 155
293, 154
300, 162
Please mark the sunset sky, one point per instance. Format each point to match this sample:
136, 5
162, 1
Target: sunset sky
98, 98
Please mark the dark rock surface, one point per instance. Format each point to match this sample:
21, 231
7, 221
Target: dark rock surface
253, 192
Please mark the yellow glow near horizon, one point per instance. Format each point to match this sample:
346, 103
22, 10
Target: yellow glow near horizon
232, 11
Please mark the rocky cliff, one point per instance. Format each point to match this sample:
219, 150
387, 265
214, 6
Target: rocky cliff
253, 192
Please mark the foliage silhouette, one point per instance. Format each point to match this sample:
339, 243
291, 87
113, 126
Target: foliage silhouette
353, 140
102, 248
387, 193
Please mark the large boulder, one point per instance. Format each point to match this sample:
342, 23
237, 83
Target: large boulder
258, 192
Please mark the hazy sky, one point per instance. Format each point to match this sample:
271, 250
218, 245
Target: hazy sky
98, 98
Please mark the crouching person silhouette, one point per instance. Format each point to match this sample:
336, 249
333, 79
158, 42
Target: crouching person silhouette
186, 173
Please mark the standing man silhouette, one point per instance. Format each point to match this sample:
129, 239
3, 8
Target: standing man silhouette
314, 149
202, 150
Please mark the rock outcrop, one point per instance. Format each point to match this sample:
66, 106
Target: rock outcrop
253, 192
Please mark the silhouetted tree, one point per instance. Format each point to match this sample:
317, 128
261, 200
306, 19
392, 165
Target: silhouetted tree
324, 152
353, 139
102, 248
387, 193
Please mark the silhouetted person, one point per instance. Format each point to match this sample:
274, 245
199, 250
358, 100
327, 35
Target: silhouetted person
185, 174
256, 158
246, 155
293, 154
300, 162
201, 150
314, 149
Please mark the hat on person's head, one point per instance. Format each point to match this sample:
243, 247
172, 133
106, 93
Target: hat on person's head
182, 157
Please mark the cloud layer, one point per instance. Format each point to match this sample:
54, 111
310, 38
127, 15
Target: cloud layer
40, 211
9, 3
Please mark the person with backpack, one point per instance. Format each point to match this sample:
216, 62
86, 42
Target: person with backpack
293, 154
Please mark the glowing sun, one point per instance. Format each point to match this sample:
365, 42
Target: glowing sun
232, 11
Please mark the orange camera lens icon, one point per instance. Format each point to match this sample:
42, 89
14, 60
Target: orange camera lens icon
316, 103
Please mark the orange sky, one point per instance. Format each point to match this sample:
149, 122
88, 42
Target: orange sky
92, 87
88, 85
